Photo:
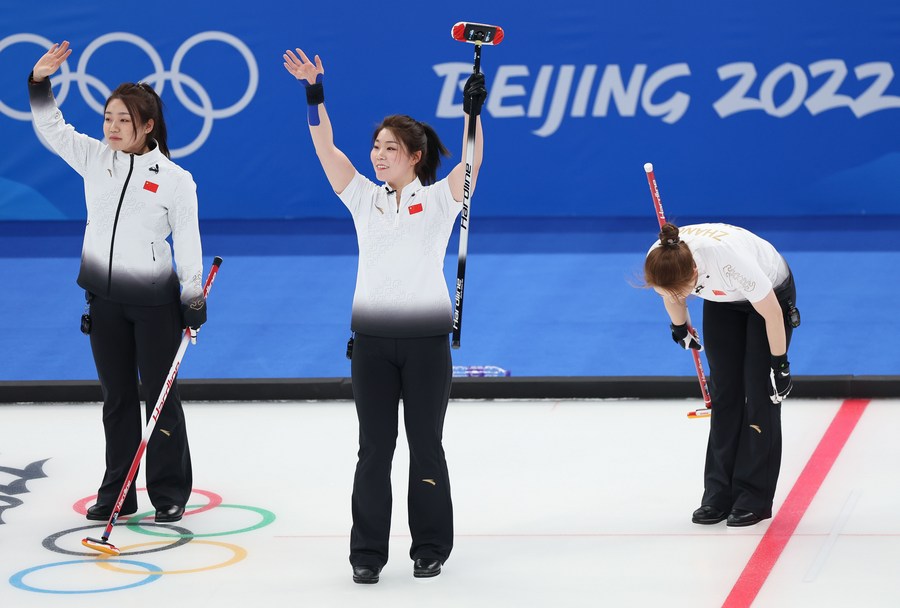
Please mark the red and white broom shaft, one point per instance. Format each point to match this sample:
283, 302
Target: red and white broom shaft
661, 217
151, 424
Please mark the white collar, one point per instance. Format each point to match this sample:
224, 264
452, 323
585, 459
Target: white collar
408, 190
147, 159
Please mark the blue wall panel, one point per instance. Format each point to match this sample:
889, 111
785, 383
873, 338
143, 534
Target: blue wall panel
747, 109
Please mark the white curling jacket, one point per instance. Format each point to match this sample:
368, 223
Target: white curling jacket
134, 202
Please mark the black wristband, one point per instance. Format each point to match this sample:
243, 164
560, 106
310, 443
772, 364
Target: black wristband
315, 94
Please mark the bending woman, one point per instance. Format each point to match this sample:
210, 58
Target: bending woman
748, 318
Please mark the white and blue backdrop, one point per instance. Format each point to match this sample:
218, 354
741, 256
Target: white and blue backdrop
779, 115
766, 108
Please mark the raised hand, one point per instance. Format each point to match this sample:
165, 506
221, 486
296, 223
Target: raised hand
50, 62
474, 94
301, 67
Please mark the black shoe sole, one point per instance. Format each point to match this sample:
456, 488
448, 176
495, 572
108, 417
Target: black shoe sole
426, 574
365, 580
744, 524
708, 522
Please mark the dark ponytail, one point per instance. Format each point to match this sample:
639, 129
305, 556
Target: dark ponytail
671, 265
143, 105
426, 170
416, 137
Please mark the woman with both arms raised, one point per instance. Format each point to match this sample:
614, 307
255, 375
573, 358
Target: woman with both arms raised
401, 319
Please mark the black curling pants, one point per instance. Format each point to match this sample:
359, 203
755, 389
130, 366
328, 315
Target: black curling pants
743, 456
126, 341
384, 370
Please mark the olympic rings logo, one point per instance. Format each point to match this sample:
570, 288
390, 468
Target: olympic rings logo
157, 78
173, 537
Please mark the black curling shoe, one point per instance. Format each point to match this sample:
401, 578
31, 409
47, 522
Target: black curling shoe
426, 568
169, 514
738, 518
99, 512
366, 575
707, 515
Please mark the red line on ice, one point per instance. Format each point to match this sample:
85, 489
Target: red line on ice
785, 522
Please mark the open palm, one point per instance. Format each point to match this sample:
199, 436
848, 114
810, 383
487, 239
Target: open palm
301, 67
52, 59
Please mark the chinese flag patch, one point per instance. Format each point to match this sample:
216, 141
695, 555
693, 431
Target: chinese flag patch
718, 293
148, 185
417, 208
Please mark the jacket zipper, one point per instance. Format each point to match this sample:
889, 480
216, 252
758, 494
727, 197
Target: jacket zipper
112, 243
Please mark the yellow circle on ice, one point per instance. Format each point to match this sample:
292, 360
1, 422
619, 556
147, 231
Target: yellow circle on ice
239, 554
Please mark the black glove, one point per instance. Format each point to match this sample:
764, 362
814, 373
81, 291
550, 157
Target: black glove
780, 376
474, 94
683, 338
193, 315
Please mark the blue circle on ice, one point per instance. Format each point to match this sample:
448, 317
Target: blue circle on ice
18, 579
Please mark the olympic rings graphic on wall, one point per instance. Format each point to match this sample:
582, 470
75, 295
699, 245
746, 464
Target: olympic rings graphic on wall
158, 78
178, 537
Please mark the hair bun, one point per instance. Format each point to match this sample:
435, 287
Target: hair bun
668, 235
